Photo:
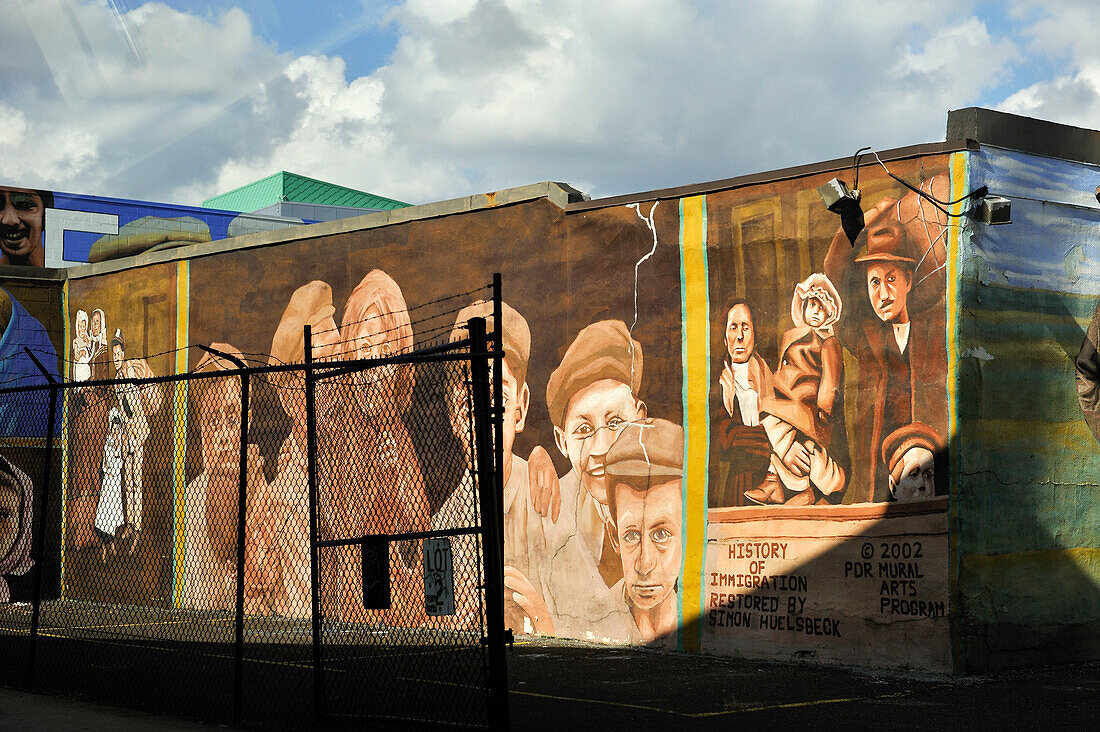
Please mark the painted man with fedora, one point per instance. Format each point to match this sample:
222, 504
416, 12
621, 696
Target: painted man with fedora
902, 361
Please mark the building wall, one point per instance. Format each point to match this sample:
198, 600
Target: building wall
1026, 501
852, 576
75, 228
31, 316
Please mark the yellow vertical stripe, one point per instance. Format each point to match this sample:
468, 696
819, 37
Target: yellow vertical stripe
66, 373
959, 186
183, 275
695, 312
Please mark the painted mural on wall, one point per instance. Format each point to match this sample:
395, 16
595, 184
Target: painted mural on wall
22, 225
118, 493
24, 427
1027, 410
52, 229
825, 388
827, 523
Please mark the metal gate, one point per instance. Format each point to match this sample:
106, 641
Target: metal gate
408, 617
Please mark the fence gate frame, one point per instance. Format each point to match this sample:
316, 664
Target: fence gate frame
487, 416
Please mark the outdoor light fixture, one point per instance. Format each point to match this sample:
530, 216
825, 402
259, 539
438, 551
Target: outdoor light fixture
994, 210
837, 196
843, 201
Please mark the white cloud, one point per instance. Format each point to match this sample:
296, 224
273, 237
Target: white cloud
482, 95
1062, 30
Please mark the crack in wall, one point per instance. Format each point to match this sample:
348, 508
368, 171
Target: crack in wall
648, 220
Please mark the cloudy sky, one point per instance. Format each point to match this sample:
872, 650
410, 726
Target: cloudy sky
430, 99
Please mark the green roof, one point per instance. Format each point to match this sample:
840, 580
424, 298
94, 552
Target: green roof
284, 186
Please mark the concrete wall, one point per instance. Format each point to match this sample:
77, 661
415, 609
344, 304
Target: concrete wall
1026, 497
849, 413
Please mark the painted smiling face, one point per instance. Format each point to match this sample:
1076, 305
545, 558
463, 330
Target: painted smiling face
740, 335
22, 215
593, 419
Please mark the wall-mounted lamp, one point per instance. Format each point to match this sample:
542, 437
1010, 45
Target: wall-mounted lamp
838, 197
844, 201
994, 210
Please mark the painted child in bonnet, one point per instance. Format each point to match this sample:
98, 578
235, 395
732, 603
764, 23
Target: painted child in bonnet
799, 415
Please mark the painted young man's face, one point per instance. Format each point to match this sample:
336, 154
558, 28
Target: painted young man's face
10, 514
888, 289
369, 339
220, 425
918, 475
22, 215
593, 419
649, 525
117, 354
517, 397
740, 336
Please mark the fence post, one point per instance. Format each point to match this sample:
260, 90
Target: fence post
492, 539
40, 537
242, 501
314, 568
242, 526
498, 422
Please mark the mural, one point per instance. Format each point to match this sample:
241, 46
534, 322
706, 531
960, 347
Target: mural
24, 428
94, 229
22, 224
118, 497
1027, 451
813, 523
828, 416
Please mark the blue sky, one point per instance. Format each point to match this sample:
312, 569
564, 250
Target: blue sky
422, 100
358, 32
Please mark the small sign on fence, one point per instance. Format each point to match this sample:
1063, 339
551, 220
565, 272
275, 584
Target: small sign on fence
439, 577
376, 573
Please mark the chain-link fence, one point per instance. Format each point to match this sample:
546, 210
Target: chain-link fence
265, 542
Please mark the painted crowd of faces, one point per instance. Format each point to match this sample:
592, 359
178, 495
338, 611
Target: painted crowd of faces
583, 558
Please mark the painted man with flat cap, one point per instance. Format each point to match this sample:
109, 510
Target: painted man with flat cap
645, 471
902, 361
524, 537
591, 397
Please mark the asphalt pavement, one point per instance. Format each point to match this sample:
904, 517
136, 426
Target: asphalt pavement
564, 685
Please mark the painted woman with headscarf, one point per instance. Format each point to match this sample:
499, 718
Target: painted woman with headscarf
799, 414
371, 482
82, 349
88, 409
16, 519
